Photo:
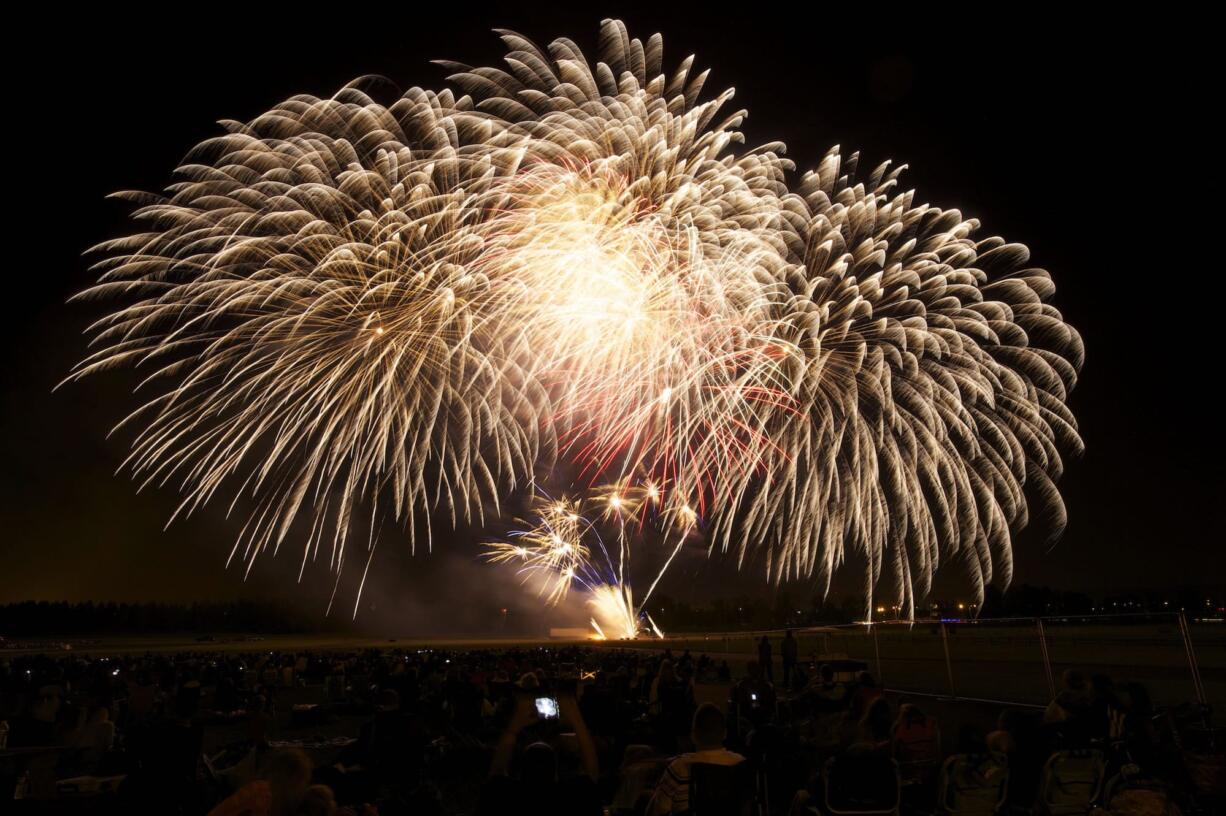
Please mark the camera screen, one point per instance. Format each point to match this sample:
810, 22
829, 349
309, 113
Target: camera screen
546, 708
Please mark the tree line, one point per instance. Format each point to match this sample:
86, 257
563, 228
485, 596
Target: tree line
41, 618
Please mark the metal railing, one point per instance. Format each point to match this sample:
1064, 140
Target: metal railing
1013, 661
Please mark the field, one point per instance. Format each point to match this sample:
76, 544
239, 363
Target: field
1004, 661
989, 660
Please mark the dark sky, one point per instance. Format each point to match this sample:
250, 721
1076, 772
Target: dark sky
1086, 141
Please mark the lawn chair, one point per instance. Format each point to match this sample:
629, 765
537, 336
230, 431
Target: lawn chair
917, 749
861, 784
973, 784
1134, 793
722, 790
1072, 782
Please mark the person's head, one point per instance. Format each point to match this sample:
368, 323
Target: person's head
1073, 680
971, 741
1138, 700
388, 700
539, 764
318, 801
666, 670
788, 634
910, 714
827, 672
1009, 720
878, 718
865, 680
709, 728
752, 670
1000, 742
289, 776
187, 701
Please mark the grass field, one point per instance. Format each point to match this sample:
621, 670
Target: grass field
1004, 660
987, 659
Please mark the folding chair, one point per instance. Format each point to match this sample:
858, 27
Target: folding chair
917, 749
1072, 782
861, 784
973, 784
1134, 793
722, 790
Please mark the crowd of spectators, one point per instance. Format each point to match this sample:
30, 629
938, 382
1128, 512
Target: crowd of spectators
570, 731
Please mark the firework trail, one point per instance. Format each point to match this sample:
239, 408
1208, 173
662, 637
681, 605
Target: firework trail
410, 309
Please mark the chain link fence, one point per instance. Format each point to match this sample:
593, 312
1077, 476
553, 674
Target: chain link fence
1005, 660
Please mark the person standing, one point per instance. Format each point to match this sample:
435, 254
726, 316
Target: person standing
788, 650
764, 659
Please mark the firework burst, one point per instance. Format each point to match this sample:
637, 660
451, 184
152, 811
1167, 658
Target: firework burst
413, 308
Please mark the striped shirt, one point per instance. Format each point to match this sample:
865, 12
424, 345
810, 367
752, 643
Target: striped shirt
673, 791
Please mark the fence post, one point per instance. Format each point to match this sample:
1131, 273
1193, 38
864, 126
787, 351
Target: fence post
1051, 681
877, 654
1186, 633
949, 665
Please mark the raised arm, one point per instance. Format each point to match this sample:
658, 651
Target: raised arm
568, 705
523, 716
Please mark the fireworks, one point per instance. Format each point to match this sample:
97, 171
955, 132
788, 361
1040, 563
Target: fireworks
563, 547
348, 307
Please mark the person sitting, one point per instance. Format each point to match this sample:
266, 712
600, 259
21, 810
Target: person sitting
1068, 714
917, 744
1071, 701
874, 731
95, 737
319, 801
866, 692
975, 778
829, 694
537, 788
282, 792
754, 696
672, 794
665, 680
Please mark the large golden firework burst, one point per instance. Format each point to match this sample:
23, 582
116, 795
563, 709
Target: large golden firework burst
414, 308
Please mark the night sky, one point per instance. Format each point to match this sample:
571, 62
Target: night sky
1085, 141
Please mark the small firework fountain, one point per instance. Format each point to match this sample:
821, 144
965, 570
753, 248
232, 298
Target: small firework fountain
563, 549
